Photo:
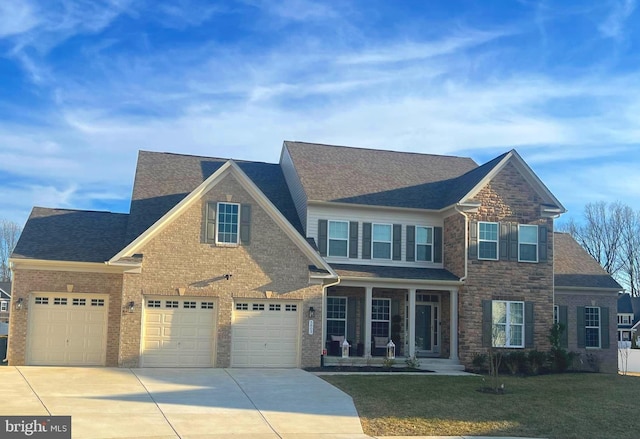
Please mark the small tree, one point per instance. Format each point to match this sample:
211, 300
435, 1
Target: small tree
9, 234
623, 356
494, 355
560, 359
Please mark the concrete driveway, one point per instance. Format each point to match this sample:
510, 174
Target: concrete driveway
182, 403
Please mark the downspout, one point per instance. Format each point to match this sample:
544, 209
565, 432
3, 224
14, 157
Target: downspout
324, 308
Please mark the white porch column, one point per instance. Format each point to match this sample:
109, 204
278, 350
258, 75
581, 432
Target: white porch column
367, 321
412, 322
453, 349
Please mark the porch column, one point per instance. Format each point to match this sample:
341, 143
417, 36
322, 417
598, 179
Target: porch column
412, 322
453, 348
367, 321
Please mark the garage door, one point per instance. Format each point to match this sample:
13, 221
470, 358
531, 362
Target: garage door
265, 334
67, 330
178, 332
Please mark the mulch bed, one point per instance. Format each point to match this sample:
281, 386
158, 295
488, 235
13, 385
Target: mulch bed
366, 369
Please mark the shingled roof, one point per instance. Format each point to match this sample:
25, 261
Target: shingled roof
574, 267
379, 271
163, 179
71, 235
5, 290
383, 178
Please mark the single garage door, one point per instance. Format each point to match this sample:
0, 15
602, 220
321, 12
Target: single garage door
178, 332
265, 334
67, 330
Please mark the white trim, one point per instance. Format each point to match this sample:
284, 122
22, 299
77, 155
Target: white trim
508, 324
599, 327
346, 310
329, 222
230, 167
217, 231
4, 306
85, 267
416, 243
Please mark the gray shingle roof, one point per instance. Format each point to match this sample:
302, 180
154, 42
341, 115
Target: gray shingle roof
574, 267
378, 271
383, 178
5, 290
71, 235
629, 305
163, 179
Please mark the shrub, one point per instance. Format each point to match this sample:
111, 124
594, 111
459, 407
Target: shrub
515, 362
479, 362
536, 361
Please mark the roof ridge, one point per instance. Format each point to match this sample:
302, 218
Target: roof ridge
205, 157
79, 210
362, 148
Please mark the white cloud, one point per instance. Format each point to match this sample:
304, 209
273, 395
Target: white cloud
614, 25
16, 17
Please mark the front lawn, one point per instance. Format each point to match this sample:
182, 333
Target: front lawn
551, 406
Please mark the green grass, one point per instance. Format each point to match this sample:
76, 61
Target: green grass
550, 406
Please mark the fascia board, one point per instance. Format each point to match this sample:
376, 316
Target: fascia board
49, 265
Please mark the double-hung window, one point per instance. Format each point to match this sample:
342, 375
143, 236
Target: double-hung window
380, 317
424, 244
488, 241
338, 238
337, 316
527, 243
508, 324
3, 306
381, 242
227, 223
592, 326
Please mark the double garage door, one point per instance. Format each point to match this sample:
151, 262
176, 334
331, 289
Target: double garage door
67, 330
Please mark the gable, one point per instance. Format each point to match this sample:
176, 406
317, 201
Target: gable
228, 170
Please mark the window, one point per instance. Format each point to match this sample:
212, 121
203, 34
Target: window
381, 244
79, 302
380, 321
556, 314
508, 324
42, 300
291, 307
488, 241
592, 326
227, 223
153, 304
257, 307
424, 243
206, 305
59, 301
189, 305
527, 243
242, 306
338, 238
275, 307
3, 306
171, 304
337, 316
624, 319
97, 302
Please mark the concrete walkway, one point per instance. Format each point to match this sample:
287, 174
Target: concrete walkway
183, 403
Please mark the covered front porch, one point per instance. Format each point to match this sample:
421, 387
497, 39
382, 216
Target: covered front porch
419, 317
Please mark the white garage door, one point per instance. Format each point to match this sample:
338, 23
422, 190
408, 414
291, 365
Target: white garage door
67, 330
178, 332
265, 334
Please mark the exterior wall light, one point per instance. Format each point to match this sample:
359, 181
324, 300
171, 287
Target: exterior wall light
131, 306
391, 350
19, 303
312, 312
345, 348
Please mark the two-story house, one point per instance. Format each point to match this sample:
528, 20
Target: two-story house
244, 264
628, 316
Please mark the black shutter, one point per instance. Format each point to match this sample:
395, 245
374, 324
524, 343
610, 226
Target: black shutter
513, 242
528, 324
437, 244
322, 237
473, 240
581, 328
397, 242
353, 239
604, 327
487, 324
564, 320
210, 223
542, 243
504, 241
245, 224
411, 243
366, 240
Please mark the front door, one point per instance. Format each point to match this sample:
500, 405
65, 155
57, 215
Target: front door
427, 328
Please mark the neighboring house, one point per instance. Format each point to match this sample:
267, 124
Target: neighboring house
5, 306
585, 302
628, 316
245, 264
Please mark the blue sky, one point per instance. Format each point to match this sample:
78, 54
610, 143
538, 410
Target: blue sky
85, 84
